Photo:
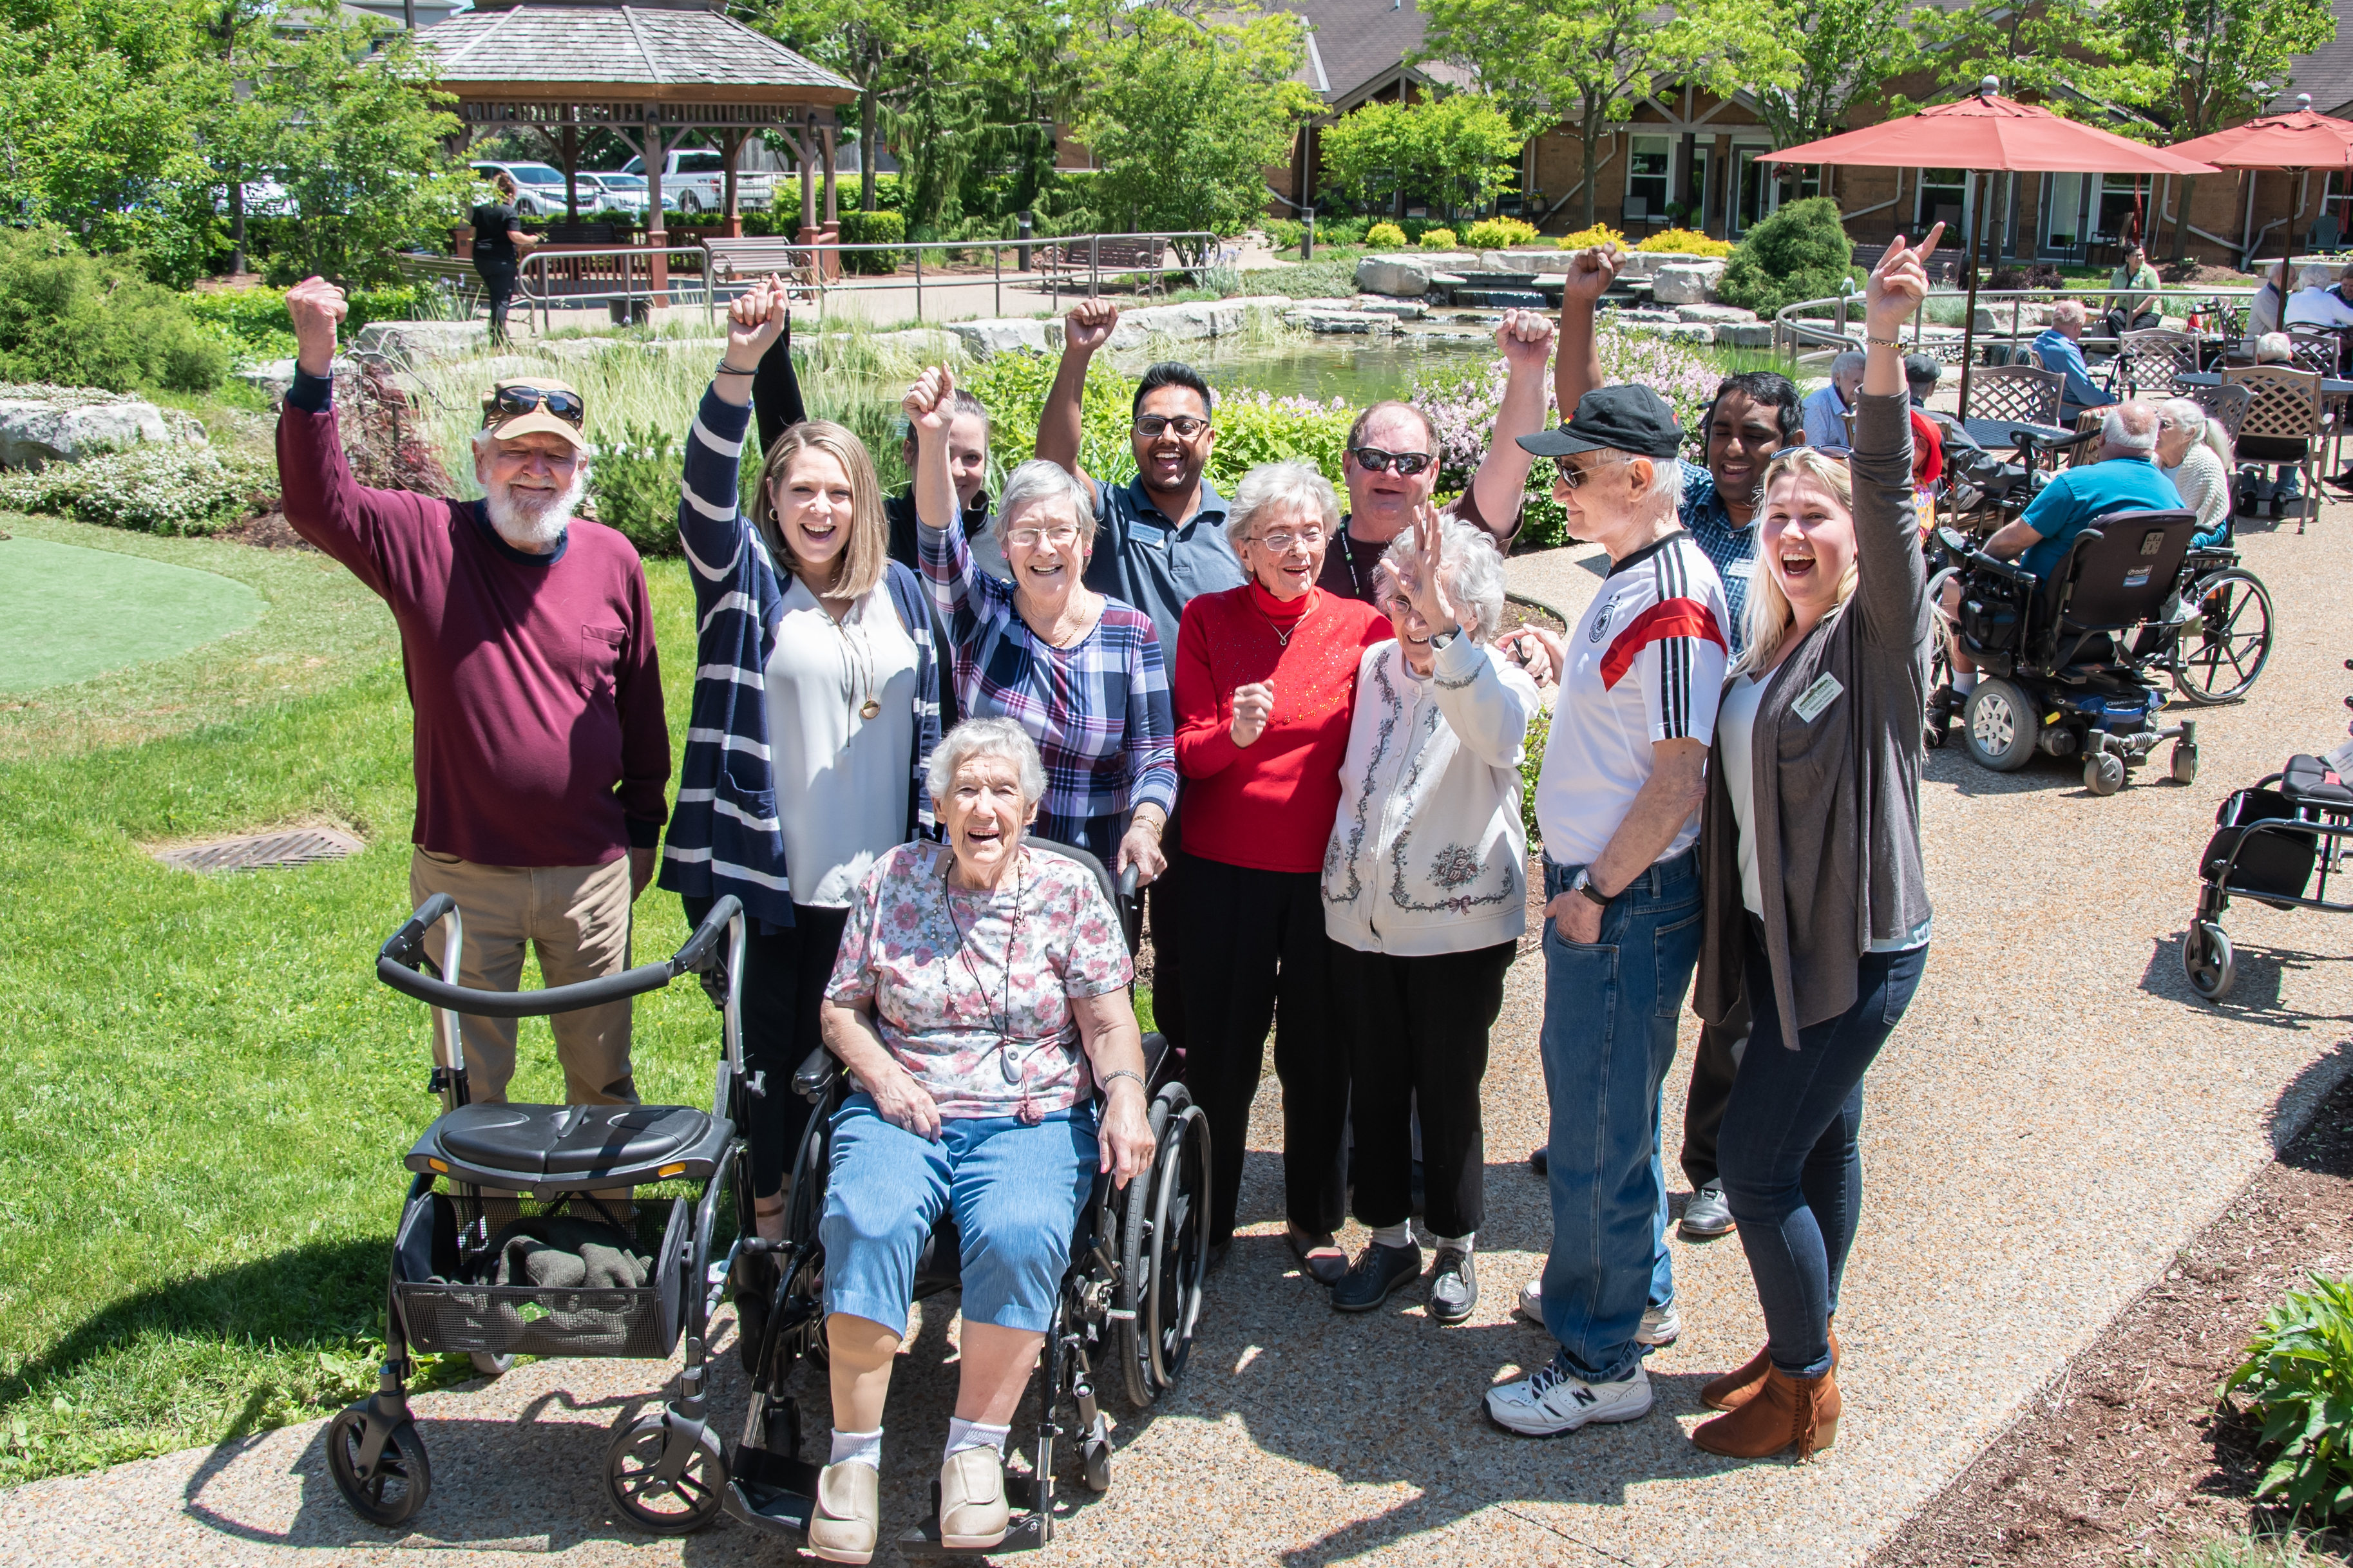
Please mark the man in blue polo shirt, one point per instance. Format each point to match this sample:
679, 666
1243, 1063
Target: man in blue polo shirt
2058, 348
1160, 541
2126, 479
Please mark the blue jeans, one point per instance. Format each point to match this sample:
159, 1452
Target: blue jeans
1610, 1011
1016, 1188
1792, 1172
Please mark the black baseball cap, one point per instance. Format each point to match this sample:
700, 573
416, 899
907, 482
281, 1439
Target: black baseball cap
1617, 419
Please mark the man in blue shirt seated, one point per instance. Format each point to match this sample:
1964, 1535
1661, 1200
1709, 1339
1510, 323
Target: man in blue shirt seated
2126, 479
2058, 349
1826, 408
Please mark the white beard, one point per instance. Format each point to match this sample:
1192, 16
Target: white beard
533, 524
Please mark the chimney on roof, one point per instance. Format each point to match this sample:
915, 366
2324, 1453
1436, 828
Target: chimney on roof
2304, 100
1989, 87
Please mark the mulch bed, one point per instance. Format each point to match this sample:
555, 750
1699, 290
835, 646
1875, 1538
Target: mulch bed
2130, 1458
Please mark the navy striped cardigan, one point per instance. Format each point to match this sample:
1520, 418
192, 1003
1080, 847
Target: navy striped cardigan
723, 835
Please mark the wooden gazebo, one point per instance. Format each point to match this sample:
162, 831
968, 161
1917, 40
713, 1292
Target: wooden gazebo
649, 71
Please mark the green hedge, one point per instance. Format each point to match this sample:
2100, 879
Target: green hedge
82, 321
872, 228
1801, 252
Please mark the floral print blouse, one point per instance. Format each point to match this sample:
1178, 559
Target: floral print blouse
971, 991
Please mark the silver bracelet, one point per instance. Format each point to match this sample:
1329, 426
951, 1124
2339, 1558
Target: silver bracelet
1105, 1083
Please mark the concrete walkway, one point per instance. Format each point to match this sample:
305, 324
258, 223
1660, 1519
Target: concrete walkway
2056, 1115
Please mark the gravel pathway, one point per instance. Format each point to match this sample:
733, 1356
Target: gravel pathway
2055, 1117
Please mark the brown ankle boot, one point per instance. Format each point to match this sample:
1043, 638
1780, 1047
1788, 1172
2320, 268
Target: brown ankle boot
1734, 1389
1785, 1412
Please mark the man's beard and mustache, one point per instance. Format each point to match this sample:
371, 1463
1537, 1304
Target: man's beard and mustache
535, 519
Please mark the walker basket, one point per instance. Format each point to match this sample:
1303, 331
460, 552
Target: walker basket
448, 1247
2276, 860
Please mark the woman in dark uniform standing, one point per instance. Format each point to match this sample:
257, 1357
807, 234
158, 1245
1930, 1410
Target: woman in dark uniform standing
500, 243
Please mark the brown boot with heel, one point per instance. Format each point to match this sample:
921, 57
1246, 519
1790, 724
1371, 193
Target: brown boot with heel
1785, 1412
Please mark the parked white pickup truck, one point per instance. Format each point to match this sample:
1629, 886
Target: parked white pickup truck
698, 177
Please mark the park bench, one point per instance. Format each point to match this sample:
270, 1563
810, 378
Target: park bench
444, 272
737, 262
1108, 255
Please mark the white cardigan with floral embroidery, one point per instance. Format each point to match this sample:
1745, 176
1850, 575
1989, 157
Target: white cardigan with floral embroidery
1428, 854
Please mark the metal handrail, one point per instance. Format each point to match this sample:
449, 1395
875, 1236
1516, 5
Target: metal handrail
1791, 330
541, 299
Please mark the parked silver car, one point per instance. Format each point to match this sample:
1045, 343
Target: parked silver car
538, 187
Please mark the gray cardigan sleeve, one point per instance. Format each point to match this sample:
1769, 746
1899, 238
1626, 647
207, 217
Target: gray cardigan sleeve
1890, 592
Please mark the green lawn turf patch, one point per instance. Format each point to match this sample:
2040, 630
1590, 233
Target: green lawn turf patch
209, 1093
69, 613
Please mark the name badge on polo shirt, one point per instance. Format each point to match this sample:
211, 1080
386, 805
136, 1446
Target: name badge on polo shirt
1815, 698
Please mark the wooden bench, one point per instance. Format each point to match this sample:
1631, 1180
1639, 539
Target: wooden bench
737, 262
1108, 255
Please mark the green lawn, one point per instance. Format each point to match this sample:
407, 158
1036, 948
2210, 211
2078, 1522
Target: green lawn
207, 1094
68, 614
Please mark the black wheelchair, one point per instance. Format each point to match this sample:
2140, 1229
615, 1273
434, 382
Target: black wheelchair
2056, 671
509, 1202
1130, 1300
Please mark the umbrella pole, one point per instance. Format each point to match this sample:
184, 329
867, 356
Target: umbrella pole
1969, 318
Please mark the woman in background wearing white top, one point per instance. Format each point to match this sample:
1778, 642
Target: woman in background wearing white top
845, 717
1425, 896
1816, 904
2194, 453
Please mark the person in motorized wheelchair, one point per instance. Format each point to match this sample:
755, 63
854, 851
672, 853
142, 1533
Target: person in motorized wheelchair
979, 1001
2050, 625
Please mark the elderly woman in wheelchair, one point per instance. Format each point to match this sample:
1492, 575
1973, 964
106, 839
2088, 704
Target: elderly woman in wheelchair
979, 1002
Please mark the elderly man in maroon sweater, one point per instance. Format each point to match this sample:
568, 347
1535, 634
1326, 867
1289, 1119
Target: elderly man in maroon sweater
541, 750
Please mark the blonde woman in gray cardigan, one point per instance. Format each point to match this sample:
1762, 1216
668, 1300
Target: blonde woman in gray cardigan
1425, 896
1810, 857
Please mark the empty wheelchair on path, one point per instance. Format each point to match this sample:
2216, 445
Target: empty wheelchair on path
555, 1230
1127, 1307
2065, 661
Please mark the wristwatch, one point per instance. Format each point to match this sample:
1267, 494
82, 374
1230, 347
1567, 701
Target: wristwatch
1583, 883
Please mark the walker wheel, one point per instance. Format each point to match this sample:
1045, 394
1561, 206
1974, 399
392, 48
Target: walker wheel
391, 1490
489, 1365
675, 1504
2207, 962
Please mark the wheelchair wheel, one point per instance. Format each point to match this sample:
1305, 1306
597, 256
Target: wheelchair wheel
2184, 763
402, 1479
2103, 772
2217, 656
2207, 962
1999, 725
489, 1365
671, 1505
1164, 1250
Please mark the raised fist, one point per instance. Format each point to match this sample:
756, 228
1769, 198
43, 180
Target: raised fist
1087, 326
317, 306
1590, 272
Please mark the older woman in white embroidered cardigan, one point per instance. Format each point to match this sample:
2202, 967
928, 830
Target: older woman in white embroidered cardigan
1425, 897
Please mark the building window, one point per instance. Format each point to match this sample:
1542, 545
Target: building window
1942, 194
1648, 162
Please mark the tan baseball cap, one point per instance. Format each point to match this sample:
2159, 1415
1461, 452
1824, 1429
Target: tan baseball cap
529, 405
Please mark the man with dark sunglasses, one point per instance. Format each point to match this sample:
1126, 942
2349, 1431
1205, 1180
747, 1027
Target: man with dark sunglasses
542, 755
1393, 459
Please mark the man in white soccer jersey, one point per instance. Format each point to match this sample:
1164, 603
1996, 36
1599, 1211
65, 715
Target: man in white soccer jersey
1618, 803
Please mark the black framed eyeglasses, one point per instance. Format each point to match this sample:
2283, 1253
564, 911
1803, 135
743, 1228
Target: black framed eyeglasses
505, 402
1186, 425
1373, 460
1572, 475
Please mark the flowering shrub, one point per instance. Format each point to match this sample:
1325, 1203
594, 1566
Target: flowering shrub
1437, 239
1256, 427
1385, 234
154, 488
1499, 234
1599, 234
1685, 242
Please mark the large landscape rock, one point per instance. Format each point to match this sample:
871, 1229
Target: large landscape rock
1004, 334
275, 377
1552, 259
1358, 322
45, 424
1714, 314
1400, 277
406, 345
1686, 283
1398, 309
1744, 334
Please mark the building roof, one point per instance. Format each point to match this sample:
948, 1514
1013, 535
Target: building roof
2327, 73
650, 53
1358, 48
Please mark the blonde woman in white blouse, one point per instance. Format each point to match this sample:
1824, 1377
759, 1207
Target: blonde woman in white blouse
2194, 452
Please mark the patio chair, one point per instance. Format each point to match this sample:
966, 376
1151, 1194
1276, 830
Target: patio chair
2313, 348
2226, 406
2154, 356
2025, 393
2326, 234
2284, 422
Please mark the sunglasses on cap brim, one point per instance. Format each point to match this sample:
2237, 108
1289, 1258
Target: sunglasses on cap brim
506, 402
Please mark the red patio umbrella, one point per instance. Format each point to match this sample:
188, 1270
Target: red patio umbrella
2295, 141
1985, 133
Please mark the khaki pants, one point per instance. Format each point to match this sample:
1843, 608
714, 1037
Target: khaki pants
578, 919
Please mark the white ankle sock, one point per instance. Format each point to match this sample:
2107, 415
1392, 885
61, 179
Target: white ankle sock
857, 1449
1464, 1241
1397, 1235
1964, 681
963, 1434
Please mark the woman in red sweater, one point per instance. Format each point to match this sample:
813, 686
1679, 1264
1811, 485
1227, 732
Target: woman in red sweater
1265, 686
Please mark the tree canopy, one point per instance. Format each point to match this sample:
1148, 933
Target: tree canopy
1455, 148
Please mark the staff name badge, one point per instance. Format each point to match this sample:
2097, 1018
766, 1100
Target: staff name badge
1815, 698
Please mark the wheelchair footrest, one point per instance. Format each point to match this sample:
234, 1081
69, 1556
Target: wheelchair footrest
1027, 1531
771, 1492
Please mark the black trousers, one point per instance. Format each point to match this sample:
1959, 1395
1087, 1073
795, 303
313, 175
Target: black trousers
1419, 1028
1255, 953
499, 283
784, 974
1163, 909
2118, 326
1713, 1068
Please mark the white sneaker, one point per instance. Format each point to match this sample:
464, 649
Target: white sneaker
1532, 1300
1659, 1326
1555, 1401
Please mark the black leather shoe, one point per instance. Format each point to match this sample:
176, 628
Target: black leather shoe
1375, 1276
1453, 1286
